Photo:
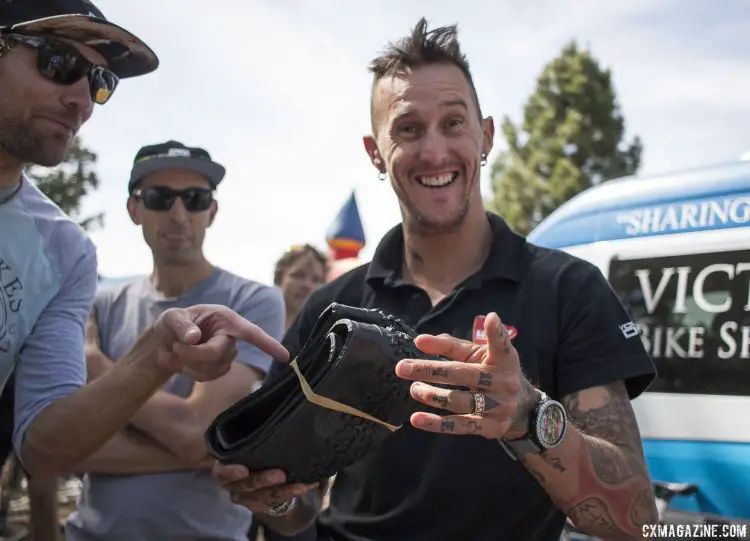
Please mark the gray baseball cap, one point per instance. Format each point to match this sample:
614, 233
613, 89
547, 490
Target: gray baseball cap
174, 155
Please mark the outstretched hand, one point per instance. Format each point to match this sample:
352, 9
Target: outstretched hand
201, 341
492, 370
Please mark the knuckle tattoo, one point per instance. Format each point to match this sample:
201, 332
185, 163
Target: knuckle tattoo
447, 425
485, 379
440, 371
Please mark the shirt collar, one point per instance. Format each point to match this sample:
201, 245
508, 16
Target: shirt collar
507, 258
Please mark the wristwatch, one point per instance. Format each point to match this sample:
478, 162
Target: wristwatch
547, 424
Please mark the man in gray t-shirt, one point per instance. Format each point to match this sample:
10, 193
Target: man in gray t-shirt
159, 487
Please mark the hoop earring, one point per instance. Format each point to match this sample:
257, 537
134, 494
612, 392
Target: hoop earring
483, 161
381, 176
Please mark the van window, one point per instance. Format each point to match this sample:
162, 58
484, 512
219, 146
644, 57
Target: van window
693, 314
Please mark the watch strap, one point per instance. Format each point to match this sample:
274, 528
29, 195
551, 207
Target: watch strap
528, 443
520, 447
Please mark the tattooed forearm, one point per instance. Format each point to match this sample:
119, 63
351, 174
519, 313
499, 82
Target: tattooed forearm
642, 511
611, 419
613, 465
594, 512
555, 462
538, 476
598, 476
613, 483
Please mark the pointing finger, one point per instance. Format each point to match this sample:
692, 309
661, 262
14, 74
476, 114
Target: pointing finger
240, 328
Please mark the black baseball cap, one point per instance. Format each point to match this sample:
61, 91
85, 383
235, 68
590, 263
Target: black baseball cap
174, 155
81, 21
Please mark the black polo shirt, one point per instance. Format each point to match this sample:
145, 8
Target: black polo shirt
423, 486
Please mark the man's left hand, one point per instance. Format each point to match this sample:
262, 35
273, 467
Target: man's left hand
492, 371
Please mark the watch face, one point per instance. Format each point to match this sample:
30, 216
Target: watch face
551, 424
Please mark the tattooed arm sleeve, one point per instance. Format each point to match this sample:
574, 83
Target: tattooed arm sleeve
597, 476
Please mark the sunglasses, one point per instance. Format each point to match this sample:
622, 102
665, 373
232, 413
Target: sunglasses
63, 64
162, 199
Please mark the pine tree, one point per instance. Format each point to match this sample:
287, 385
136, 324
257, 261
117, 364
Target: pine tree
571, 138
68, 183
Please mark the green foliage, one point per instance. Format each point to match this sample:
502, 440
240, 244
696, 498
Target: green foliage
571, 138
68, 183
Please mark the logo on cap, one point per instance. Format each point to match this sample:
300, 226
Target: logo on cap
178, 153
478, 336
171, 153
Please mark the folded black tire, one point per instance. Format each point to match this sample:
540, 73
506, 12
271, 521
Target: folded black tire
350, 358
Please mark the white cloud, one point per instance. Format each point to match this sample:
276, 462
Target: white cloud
278, 92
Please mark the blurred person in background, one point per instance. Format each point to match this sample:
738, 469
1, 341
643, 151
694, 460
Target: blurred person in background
298, 273
152, 481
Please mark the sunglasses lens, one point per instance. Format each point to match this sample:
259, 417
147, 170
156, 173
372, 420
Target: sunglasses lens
103, 83
162, 199
62, 67
67, 67
196, 200
157, 200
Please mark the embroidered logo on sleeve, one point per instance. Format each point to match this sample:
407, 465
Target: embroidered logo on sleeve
629, 330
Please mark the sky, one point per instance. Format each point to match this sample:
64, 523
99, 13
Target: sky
278, 92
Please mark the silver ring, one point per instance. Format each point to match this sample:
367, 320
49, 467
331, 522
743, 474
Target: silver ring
479, 403
283, 508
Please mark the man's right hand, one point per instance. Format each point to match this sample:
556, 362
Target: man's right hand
260, 492
201, 341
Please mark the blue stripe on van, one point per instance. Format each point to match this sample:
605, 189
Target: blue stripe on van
720, 470
704, 199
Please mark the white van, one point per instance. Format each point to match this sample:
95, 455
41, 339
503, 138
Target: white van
676, 249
